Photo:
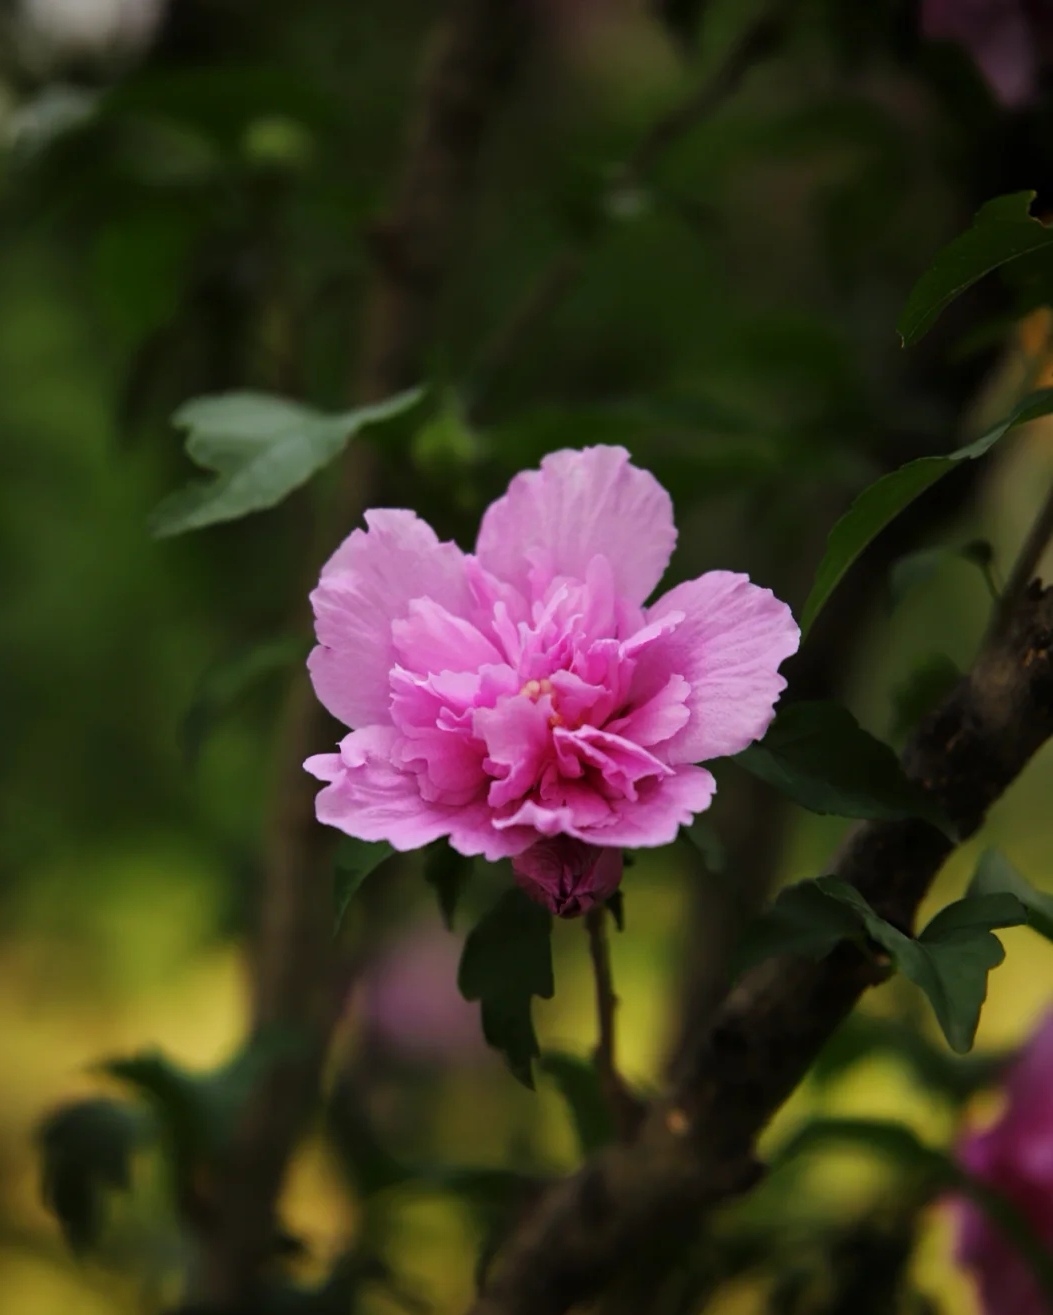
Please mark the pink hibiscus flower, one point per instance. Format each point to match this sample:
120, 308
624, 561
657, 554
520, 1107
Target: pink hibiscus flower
1014, 1155
523, 700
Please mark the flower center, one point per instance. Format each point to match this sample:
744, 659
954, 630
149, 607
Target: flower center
533, 689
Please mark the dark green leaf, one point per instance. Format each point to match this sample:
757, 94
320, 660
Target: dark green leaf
200, 1111
616, 907
223, 683
939, 1174
819, 755
706, 839
354, 861
448, 873
917, 568
995, 875
803, 920
507, 959
86, 1152
927, 685
260, 448
882, 502
579, 1085
369, 1165
949, 961
1002, 230
955, 1077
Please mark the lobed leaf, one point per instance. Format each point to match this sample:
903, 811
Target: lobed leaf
507, 959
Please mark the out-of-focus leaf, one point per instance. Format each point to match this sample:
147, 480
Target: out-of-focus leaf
1003, 230
448, 873
995, 875
878, 505
706, 839
200, 1111
917, 568
949, 961
223, 683
956, 1077
355, 860
579, 1085
819, 755
927, 685
86, 1152
616, 906
139, 269
938, 1174
507, 959
368, 1163
260, 449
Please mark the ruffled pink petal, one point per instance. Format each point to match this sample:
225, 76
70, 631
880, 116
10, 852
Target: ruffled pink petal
369, 797
729, 646
653, 819
366, 585
431, 639
661, 810
553, 521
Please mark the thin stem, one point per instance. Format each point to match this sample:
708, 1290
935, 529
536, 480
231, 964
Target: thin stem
606, 1000
625, 1109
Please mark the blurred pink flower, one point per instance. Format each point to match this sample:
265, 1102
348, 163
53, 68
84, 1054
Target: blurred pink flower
523, 695
1014, 1155
410, 1000
1002, 36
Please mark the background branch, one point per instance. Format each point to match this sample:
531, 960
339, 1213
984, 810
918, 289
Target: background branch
695, 1148
296, 977
558, 277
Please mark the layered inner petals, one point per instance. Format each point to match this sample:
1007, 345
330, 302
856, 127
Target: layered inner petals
524, 695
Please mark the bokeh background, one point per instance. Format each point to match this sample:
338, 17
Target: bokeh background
186, 191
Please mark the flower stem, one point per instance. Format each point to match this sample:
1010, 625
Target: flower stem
625, 1109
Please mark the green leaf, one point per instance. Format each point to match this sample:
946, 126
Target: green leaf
926, 686
200, 1112
995, 875
938, 1172
954, 1077
707, 840
369, 1165
260, 448
507, 959
949, 961
951, 958
819, 755
223, 683
880, 503
803, 920
354, 861
616, 908
579, 1085
1003, 230
448, 873
86, 1153
917, 568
